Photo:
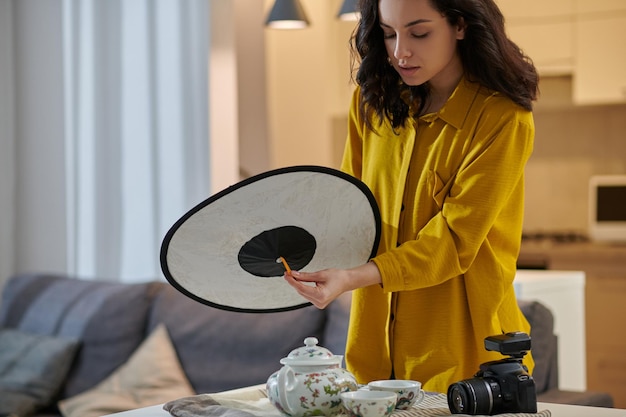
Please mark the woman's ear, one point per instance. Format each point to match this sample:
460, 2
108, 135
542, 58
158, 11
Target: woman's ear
460, 28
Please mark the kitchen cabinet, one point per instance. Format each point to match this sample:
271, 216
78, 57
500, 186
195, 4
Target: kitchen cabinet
600, 51
604, 266
582, 38
544, 31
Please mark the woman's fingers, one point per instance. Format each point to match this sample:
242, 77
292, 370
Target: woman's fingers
317, 294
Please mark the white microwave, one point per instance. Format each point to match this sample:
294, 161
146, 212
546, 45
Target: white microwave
607, 208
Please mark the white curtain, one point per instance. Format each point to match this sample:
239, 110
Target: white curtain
137, 149
7, 144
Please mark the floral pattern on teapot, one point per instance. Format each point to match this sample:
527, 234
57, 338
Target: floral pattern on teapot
309, 383
322, 396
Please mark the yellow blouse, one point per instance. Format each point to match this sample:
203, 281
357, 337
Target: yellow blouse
450, 189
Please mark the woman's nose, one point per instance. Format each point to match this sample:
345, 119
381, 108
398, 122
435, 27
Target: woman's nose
401, 51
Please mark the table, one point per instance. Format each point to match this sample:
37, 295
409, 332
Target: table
556, 410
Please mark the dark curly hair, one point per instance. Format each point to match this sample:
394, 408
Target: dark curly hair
488, 57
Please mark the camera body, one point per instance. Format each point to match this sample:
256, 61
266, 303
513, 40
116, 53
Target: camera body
502, 386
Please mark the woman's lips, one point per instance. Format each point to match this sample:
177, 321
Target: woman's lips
408, 71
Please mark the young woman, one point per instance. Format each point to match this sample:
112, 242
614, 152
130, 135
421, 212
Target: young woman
440, 129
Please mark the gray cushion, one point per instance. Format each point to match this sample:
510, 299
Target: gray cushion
109, 319
32, 370
544, 344
221, 350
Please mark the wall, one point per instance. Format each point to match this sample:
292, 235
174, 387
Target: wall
238, 110
571, 144
222, 92
253, 140
308, 83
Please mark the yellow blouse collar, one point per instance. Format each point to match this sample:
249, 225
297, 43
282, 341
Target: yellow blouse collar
456, 109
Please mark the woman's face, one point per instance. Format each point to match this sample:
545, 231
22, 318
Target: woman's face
420, 42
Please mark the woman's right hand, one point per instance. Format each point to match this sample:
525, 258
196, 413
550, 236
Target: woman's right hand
322, 287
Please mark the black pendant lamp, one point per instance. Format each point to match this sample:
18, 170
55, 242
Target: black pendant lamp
287, 14
349, 10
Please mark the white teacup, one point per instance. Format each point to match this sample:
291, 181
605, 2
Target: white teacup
366, 403
409, 392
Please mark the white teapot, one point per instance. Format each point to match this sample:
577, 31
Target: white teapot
310, 381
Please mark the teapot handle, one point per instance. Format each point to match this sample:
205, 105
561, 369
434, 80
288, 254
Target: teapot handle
286, 380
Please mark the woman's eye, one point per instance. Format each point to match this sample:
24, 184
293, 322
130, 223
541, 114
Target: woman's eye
389, 35
420, 35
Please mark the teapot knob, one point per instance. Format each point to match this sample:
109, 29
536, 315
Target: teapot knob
311, 341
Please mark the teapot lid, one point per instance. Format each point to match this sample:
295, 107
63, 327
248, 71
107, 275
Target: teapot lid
311, 354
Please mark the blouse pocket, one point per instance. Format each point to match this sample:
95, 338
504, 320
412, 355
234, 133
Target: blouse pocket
440, 188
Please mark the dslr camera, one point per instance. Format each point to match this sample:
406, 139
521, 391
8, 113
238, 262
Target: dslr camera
502, 386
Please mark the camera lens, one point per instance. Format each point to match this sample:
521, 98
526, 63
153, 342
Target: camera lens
473, 396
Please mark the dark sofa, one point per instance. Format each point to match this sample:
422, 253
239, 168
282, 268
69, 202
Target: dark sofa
218, 350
